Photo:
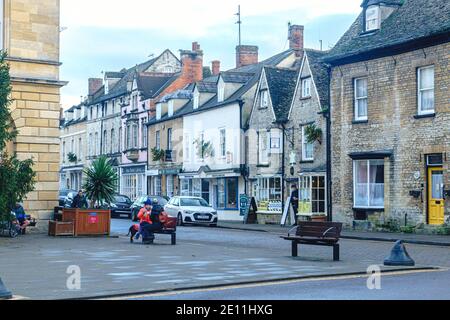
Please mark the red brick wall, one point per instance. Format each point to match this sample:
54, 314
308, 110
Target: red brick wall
246, 55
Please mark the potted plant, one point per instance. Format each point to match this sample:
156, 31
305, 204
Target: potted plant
158, 154
72, 157
313, 133
100, 188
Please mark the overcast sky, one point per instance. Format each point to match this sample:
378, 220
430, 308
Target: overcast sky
108, 35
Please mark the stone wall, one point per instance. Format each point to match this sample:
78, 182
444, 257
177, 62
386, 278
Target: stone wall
392, 105
32, 40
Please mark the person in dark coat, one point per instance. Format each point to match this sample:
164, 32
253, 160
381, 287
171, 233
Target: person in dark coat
79, 202
294, 201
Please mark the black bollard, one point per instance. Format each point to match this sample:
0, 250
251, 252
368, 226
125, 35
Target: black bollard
399, 256
4, 292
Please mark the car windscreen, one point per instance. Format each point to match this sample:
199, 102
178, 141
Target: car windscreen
122, 199
193, 203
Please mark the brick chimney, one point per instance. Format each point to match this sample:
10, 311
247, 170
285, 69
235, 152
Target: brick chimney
94, 85
246, 55
192, 64
296, 38
215, 67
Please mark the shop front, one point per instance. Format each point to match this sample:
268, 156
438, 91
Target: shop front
132, 180
221, 190
268, 193
312, 195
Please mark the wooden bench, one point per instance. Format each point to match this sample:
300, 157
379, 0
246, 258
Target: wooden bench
316, 233
172, 232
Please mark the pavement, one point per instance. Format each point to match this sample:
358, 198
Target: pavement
438, 240
36, 266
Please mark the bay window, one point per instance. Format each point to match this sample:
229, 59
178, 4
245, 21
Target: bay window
425, 79
268, 192
368, 184
360, 89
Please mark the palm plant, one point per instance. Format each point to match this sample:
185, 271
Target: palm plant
101, 182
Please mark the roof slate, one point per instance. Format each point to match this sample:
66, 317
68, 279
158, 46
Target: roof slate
415, 19
282, 84
320, 75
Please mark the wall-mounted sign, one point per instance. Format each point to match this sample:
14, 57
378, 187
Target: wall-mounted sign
93, 218
133, 170
417, 175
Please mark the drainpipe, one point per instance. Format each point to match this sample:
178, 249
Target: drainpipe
329, 177
283, 170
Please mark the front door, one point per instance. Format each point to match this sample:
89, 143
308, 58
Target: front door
205, 190
436, 196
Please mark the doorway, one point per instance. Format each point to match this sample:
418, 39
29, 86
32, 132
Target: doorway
436, 196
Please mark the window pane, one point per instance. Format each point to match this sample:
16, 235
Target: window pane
426, 78
437, 185
362, 108
221, 193
361, 180
361, 88
427, 100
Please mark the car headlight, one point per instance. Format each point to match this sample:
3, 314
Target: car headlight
214, 213
112, 205
188, 212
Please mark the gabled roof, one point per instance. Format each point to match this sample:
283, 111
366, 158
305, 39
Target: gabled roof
319, 72
151, 85
414, 20
251, 74
120, 88
282, 83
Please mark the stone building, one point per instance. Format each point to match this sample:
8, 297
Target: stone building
266, 141
390, 114
306, 161
106, 99
73, 147
30, 33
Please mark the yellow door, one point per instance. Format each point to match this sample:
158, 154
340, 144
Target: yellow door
436, 196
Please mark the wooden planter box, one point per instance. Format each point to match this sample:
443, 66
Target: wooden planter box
57, 228
89, 222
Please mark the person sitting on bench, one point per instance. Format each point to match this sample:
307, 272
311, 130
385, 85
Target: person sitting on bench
21, 217
149, 220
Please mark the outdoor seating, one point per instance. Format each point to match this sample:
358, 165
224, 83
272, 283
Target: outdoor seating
316, 233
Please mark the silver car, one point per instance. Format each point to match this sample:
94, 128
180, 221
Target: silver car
192, 210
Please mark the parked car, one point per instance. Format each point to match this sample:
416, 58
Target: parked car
121, 206
62, 196
69, 199
192, 210
139, 204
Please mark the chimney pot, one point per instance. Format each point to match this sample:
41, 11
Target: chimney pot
246, 55
296, 38
215, 67
94, 85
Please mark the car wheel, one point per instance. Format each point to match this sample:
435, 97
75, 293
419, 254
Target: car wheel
180, 220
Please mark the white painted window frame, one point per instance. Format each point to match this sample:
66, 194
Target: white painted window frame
357, 99
378, 19
306, 87
304, 143
420, 91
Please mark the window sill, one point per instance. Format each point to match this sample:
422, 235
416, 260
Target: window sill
424, 116
307, 161
263, 166
360, 121
305, 98
368, 209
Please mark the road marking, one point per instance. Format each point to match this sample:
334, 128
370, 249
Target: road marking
271, 283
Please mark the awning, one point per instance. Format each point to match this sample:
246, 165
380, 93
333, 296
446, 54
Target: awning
380, 154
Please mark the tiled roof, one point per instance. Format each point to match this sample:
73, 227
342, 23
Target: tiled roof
320, 75
151, 85
281, 83
236, 76
251, 73
415, 19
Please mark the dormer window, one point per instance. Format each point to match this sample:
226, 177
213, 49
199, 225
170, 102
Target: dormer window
196, 99
170, 112
373, 19
158, 111
220, 91
264, 99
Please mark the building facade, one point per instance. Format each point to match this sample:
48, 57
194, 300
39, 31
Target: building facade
73, 148
30, 33
390, 115
306, 136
